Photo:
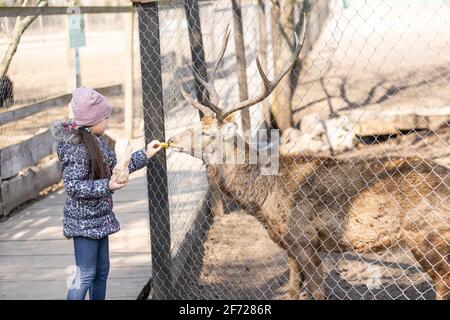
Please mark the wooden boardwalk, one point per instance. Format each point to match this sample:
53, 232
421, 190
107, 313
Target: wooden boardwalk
36, 261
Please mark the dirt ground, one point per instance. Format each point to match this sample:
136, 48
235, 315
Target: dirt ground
382, 52
241, 262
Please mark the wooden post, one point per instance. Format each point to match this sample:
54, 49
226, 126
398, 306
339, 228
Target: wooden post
75, 69
154, 129
241, 65
129, 74
73, 53
74, 74
179, 16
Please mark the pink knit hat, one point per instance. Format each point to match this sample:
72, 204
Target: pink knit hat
89, 106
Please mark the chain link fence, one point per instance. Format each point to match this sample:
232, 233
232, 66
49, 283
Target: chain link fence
359, 207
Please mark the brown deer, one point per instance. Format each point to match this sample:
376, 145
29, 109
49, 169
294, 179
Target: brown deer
322, 203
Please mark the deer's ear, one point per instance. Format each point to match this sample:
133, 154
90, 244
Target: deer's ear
229, 130
230, 118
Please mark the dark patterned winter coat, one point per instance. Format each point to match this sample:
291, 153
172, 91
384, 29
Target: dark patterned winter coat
88, 206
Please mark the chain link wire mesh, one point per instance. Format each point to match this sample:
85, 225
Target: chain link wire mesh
362, 191
41, 71
359, 209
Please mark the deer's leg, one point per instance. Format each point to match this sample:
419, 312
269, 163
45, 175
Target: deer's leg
432, 253
217, 199
295, 278
305, 252
312, 266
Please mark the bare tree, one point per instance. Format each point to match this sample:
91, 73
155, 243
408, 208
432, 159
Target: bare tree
284, 24
241, 61
21, 24
262, 52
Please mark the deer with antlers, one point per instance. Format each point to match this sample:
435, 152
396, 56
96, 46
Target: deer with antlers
321, 203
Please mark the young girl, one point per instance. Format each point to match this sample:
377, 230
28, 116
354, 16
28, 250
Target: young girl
86, 164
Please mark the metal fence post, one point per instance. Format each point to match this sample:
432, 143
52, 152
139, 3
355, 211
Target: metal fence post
154, 129
198, 61
129, 75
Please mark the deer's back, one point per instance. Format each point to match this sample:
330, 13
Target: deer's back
368, 202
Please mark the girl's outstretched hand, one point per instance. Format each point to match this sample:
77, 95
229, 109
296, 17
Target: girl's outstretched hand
152, 148
113, 185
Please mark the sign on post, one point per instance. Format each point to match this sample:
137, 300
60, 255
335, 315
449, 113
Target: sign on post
77, 37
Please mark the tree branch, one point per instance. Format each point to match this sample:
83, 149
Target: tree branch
19, 28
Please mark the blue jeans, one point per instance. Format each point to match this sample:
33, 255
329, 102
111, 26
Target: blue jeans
92, 259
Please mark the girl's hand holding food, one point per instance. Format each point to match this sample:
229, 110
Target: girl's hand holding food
113, 185
123, 152
152, 148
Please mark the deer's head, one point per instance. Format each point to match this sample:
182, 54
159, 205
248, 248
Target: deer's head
218, 128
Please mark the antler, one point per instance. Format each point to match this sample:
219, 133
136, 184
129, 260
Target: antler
269, 85
213, 95
222, 50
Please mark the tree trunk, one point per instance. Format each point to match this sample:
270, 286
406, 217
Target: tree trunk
283, 26
241, 64
262, 53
